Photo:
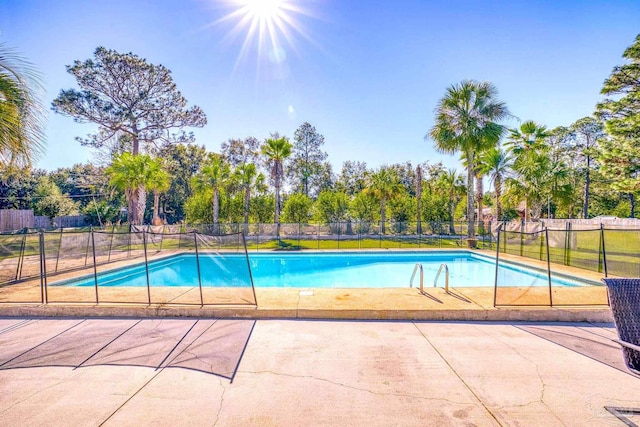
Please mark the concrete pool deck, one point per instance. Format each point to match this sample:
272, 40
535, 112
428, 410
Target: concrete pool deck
474, 304
588, 303
230, 372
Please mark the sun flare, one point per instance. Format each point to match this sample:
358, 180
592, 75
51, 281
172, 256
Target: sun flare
263, 9
268, 29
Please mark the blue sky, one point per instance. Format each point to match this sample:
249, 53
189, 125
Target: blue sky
366, 74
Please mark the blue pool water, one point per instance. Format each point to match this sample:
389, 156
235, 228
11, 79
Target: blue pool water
324, 270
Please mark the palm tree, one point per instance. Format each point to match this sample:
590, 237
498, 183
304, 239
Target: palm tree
496, 163
527, 138
529, 149
533, 183
246, 174
160, 182
214, 174
133, 174
452, 183
21, 114
466, 121
276, 150
384, 185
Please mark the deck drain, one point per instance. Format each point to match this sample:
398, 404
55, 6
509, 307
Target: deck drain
306, 293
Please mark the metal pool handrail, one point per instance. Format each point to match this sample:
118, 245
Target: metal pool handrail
415, 270
446, 280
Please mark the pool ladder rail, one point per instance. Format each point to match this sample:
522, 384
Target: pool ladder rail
435, 281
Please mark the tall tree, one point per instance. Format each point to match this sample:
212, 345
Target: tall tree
307, 157
621, 114
132, 174
126, 96
495, 163
183, 162
528, 146
247, 176
276, 150
452, 183
588, 132
160, 182
50, 201
467, 121
353, 177
21, 114
620, 160
239, 152
384, 185
214, 174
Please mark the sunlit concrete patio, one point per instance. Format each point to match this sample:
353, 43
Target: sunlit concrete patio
230, 372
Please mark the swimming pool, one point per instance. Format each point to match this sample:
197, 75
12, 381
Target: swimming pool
323, 270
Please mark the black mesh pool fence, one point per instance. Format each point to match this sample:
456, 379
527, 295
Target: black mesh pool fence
140, 266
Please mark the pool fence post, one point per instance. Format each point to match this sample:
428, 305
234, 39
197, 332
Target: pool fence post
43, 269
339, 232
522, 238
604, 251
21, 257
567, 240
95, 269
59, 248
490, 235
86, 252
546, 231
161, 239
195, 242
258, 238
146, 264
541, 244
246, 254
113, 231
299, 231
495, 282
129, 246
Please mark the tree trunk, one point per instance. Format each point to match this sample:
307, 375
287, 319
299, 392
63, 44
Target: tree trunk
479, 194
498, 188
419, 199
276, 216
216, 205
452, 211
587, 181
383, 216
139, 197
470, 205
632, 201
247, 199
156, 204
130, 205
139, 204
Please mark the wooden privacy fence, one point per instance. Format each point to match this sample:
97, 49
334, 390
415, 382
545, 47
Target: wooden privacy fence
18, 219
